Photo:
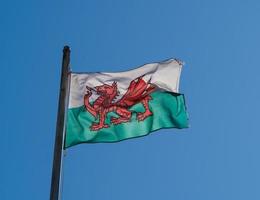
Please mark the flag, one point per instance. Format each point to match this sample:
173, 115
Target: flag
110, 107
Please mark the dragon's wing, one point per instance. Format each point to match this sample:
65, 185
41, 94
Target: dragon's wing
137, 90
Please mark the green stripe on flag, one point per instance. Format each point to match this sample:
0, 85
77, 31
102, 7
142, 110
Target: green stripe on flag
169, 111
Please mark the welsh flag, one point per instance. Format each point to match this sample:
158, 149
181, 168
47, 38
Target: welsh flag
110, 107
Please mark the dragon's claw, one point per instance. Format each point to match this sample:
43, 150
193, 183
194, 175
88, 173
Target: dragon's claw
143, 116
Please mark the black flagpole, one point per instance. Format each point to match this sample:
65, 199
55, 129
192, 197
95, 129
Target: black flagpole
59, 139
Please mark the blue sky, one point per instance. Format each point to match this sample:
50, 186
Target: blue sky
216, 158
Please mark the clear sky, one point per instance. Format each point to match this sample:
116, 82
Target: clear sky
216, 158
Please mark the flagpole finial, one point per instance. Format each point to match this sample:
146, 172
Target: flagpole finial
66, 48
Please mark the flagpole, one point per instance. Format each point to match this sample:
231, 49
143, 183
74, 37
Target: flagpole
60, 130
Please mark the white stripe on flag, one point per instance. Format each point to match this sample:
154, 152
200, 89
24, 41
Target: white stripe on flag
164, 75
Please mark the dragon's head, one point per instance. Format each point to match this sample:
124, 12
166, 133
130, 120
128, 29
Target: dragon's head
107, 90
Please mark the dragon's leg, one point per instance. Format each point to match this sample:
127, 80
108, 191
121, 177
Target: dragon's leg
147, 112
124, 116
101, 124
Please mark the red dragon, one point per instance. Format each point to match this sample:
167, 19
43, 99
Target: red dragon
138, 92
